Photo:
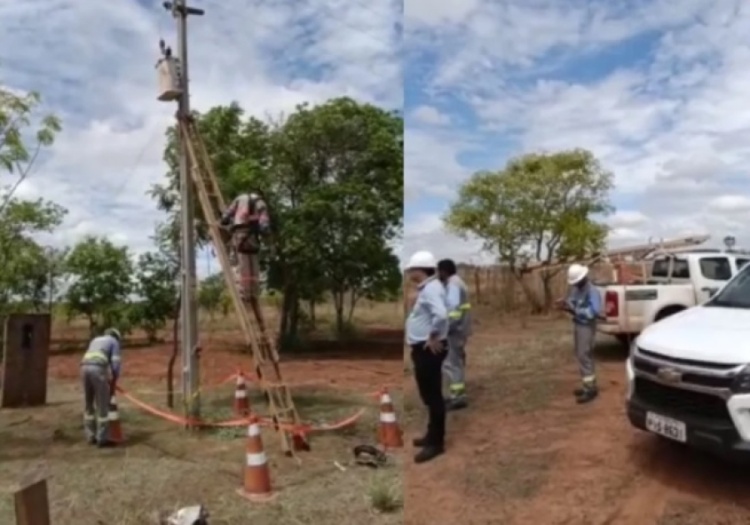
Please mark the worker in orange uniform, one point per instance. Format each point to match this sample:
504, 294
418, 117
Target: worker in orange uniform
248, 221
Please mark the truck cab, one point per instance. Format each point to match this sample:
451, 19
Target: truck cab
677, 281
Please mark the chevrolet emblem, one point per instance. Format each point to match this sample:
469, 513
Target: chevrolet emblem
669, 375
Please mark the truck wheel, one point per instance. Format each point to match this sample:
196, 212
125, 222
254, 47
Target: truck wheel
625, 339
666, 312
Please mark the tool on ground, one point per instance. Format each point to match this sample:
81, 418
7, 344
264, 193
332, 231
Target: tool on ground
241, 403
257, 477
266, 358
195, 515
116, 434
369, 456
389, 433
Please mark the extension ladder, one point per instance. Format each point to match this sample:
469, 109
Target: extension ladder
278, 396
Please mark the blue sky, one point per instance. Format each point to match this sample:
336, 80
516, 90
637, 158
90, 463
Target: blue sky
655, 92
652, 91
93, 63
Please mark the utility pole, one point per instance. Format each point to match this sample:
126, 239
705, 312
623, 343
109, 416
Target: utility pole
188, 314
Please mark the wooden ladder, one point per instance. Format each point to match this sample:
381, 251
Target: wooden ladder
278, 396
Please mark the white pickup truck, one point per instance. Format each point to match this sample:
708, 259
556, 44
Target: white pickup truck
689, 375
678, 281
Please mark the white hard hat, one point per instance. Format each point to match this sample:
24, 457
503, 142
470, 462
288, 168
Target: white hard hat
114, 332
422, 259
577, 273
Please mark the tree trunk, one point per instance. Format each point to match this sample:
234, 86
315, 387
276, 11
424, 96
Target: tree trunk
311, 306
338, 304
531, 296
175, 351
289, 318
353, 298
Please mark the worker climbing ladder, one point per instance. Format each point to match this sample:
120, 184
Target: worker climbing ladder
280, 403
174, 87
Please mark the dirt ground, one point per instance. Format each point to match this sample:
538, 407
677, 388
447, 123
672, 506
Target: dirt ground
163, 467
524, 452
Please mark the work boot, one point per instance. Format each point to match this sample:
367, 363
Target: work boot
428, 453
420, 442
91, 440
106, 444
456, 403
587, 395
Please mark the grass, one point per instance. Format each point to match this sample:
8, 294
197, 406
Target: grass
163, 467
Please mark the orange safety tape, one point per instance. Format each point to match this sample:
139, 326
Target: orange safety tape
300, 430
221, 383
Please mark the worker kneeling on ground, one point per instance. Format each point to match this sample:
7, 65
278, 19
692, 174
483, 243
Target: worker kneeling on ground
100, 369
247, 219
454, 367
585, 306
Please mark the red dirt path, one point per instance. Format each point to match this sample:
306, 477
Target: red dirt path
358, 366
557, 463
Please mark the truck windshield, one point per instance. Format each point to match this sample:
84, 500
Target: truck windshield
736, 293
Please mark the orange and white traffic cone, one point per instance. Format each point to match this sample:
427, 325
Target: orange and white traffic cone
241, 403
389, 433
115, 427
257, 477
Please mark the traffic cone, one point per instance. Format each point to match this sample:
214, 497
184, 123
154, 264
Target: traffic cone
241, 403
257, 477
389, 433
115, 427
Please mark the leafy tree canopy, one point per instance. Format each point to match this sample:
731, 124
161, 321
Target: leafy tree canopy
539, 208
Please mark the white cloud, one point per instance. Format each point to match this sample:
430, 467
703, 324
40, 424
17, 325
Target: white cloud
93, 62
430, 115
668, 122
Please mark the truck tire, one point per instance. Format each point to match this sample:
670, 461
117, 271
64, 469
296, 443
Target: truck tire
625, 339
666, 312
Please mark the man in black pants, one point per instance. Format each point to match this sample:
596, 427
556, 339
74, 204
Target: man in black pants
427, 334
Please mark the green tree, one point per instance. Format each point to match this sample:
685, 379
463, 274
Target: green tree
18, 113
347, 158
156, 292
101, 282
211, 293
333, 178
540, 208
25, 265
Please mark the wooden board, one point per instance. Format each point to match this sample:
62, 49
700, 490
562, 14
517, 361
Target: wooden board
26, 356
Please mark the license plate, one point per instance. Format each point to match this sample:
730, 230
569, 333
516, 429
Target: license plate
666, 426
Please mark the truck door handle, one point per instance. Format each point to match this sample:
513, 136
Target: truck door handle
709, 290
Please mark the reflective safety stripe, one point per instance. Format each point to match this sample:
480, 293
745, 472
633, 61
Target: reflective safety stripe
256, 460
88, 417
253, 430
387, 417
589, 379
95, 356
103, 419
114, 415
457, 387
116, 359
459, 311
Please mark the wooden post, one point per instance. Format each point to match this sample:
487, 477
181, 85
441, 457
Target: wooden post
32, 503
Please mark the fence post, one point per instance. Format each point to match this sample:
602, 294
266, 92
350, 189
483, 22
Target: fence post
31, 502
